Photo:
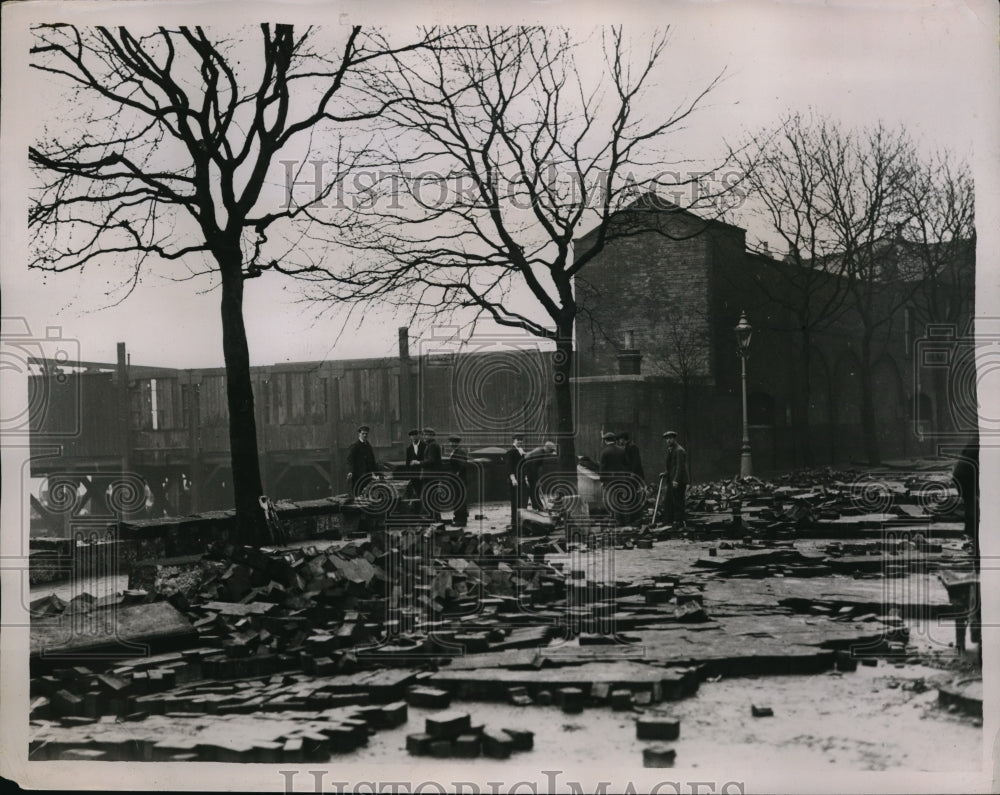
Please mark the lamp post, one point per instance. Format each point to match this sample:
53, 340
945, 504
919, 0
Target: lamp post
743, 333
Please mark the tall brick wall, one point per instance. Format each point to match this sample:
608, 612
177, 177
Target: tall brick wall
654, 283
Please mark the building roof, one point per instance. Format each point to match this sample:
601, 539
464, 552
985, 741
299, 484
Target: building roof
651, 202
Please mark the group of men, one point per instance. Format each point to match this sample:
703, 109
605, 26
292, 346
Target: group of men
425, 455
622, 472
620, 468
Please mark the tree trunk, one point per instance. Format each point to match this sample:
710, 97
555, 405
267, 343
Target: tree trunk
869, 427
247, 488
562, 366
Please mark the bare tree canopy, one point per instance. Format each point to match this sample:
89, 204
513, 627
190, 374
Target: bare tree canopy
168, 148
870, 228
509, 154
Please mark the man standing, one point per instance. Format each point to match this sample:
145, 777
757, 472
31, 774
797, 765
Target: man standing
634, 461
458, 465
414, 455
360, 463
614, 477
677, 477
632, 455
966, 476
415, 449
515, 477
534, 462
430, 466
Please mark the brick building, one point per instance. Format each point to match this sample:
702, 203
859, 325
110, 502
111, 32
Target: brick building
656, 349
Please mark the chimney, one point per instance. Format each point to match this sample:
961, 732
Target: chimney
765, 247
629, 359
404, 343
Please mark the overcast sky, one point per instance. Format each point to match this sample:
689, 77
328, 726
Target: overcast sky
930, 67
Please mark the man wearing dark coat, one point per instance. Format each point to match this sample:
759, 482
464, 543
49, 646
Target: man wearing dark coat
415, 449
360, 462
414, 455
430, 466
515, 477
632, 455
966, 476
458, 465
677, 478
614, 477
534, 462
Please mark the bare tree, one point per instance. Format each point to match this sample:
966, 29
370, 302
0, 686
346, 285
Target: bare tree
869, 172
939, 253
842, 200
513, 157
163, 152
790, 192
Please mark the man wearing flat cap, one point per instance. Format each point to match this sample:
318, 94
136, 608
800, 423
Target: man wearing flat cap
677, 477
360, 462
414, 455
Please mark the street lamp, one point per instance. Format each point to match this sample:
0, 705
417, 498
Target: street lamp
743, 333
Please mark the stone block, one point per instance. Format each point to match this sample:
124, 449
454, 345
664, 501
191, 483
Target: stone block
448, 725
522, 739
621, 700
428, 697
571, 699
496, 745
657, 727
418, 744
658, 756
467, 746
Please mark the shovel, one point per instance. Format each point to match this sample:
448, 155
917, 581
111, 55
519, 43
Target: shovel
656, 507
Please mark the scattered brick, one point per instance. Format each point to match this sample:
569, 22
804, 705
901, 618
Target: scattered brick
658, 756
418, 744
448, 725
655, 727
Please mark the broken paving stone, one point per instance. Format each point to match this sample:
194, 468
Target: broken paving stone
514, 692
428, 697
522, 739
761, 712
394, 714
448, 725
440, 749
467, 746
657, 727
418, 744
691, 612
658, 756
571, 699
845, 662
496, 745
621, 700
656, 596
